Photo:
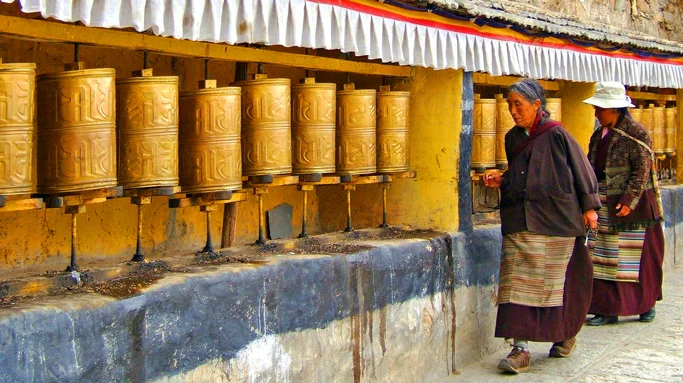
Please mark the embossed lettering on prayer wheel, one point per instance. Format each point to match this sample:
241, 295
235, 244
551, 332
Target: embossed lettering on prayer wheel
313, 113
393, 125
147, 115
17, 124
670, 130
356, 135
209, 140
504, 122
648, 120
637, 113
484, 134
554, 106
659, 138
266, 126
76, 131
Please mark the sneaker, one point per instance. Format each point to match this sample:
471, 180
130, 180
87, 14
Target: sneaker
648, 316
563, 349
517, 361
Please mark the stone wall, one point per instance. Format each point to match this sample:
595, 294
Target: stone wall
657, 18
405, 310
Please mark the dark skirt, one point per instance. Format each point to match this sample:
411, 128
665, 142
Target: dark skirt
629, 298
553, 324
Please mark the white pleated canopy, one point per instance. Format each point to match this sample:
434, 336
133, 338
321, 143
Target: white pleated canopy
310, 24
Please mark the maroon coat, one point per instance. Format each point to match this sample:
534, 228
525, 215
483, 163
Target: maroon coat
548, 185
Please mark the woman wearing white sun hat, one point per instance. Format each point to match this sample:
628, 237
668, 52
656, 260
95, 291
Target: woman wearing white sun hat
628, 249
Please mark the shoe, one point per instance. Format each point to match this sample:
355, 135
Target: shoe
648, 316
599, 320
517, 361
563, 349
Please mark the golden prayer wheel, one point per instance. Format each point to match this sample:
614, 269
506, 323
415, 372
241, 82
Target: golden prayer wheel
17, 125
648, 121
484, 133
393, 125
266, 126
671, 125
313, 108
504, 122
356, 135
209, 146
76, 130
637, 113
554, 106
659, 138
147, 119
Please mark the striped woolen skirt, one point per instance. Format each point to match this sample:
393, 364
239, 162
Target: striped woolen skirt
616, 256
554, 323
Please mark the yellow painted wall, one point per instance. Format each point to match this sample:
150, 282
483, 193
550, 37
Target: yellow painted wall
578, 118
431, 200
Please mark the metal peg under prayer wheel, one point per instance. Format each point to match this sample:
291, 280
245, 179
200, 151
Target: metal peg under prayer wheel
209, 143
637, 113
554, 106
266, 131
483, 134
393, 142
504, 122
648, 120
147, 120
313, 125
17, 126
76, 135
356, 136
659, 137
76, 130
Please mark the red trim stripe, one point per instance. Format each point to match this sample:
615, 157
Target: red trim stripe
532, 41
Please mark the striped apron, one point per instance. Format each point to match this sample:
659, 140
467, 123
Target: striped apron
533, 268
616, 257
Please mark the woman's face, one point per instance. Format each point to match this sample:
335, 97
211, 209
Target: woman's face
606, 116
522, 110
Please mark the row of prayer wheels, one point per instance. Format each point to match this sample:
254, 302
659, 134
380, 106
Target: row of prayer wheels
660, 123
94, 131
491, 122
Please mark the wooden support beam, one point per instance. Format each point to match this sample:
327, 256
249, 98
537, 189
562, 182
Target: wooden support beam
651, 96
41, 30
505, 81
202, 200
22, 204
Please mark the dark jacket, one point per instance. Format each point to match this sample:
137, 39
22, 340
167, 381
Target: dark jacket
628, 176
548, 186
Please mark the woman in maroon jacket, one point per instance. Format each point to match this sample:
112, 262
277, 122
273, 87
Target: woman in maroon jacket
629, 249
548, 198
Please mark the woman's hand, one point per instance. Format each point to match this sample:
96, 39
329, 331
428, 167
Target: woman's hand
493, 180
590, 219
623, 210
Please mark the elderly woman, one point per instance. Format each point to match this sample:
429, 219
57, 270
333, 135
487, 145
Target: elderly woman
629, 248
548, 198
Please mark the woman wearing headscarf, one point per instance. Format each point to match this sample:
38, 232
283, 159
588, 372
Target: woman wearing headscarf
548, 198
629, 249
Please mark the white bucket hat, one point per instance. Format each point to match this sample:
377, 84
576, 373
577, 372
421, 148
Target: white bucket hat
610, 95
